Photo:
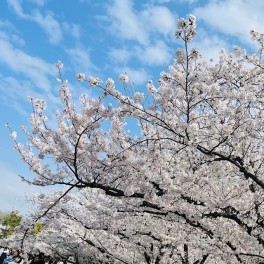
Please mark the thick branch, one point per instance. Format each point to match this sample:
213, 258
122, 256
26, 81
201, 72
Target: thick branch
238, 164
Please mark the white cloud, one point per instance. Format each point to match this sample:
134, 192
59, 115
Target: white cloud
161, 1
14, 91
159, 19
125, 23
141, 26
152, 27
189, 1
72, 29
34, 68
136, 76
235, 18
157, 54
38, 2
154, 54
34, 78
85, 1
147, 26
17, 40
6, 24
16, 5
80, 57
4, 36
14, 191
121, 55
47, 22
209, 46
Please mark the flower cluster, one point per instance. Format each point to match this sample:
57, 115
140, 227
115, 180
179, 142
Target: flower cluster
123, 78
30, 99
65, 94
180, 56
13, 135
138, 97
259, 37
38, 104
194, 54
151, 88
186, 28
94, 81
80, 76
165, 76
253, 34
110, 84
59, 64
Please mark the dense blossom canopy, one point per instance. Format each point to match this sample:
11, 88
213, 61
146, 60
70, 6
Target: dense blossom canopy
187, 188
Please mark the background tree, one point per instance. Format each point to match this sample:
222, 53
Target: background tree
9, 222
187, 188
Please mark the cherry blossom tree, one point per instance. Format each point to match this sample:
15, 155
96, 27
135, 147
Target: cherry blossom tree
186, 188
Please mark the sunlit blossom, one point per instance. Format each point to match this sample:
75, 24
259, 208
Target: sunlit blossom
59, 65
110, 84
80, 76
13, 135
123, 78
93, 81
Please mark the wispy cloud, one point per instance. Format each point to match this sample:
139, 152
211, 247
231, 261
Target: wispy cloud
38, 2
16, 5
72, 29
80, 58
141, 26
235, 18
209, 45
86, 1
14, 191
158, 20
125, 23
190, 2
156, 54
14, 92
35, 69
33, 77
160, 1
6, 24
137, 76
150, 28
121, 55
50, 25
47, 22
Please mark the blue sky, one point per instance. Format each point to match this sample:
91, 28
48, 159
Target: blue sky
101, 38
